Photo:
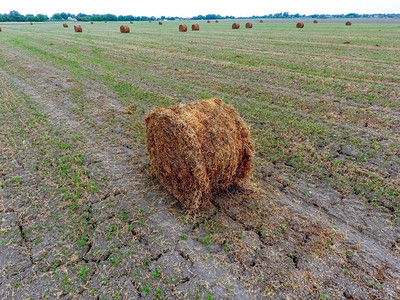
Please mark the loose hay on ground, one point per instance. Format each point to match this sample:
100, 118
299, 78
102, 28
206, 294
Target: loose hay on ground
198, 149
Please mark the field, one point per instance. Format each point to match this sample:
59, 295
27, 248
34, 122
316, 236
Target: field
82, 217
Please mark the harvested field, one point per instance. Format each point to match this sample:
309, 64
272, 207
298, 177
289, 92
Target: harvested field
81, 215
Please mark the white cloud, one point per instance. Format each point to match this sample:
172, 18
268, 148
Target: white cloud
189, 8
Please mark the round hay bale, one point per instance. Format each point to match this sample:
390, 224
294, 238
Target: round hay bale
31, 23
249, 25
91, 22
216, 21
131, 22
300, 25
261, 21
195, 27
149, 21
198, 149
235, 26
348, 23
0, 29
182, 28
124, 29
208, 21
77, 28
159, 23
65, 25
105, 21
315, 21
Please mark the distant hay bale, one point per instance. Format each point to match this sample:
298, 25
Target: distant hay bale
216, 21
261, 21
208, 21
315, 22
77, 28
0, 29
348, 23
149, 21
160, 23
249, 25
300, 25
124, 29
131, 22
195, 27
91, 22
65, 25
198, 149
182, 28
105, 21
31, 23
346, 42
235, 26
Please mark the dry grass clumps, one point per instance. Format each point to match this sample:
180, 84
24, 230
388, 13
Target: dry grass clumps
182, 28
198, 149
77, 28
195, 27
65, 25
348, 23
300, 25
159, 23
235, 26
124, 29
249, 25
315, 21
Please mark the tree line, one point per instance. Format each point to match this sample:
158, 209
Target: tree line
15, 16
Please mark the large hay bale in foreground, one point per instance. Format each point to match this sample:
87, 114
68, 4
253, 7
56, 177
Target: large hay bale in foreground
182, 28
65, 25
195, 27
300, 25
235, 26
77, 28
348, 23
249, 25
124, 29
198, 149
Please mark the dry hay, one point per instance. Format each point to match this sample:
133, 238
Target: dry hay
77, 28
131, 22
31, 23
159, 23
348, 23
315, 22
65, 25
261, 21
249, 25
346, 43
216, 21
0, 29
300, 25
198, 149
105, 21
235, 26
195, 27
208, 21
149, 21
182, 28
124, 29
91, 22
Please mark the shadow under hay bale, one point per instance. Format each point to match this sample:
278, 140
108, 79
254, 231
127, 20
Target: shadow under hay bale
235, 26
77, 28
195, 27
249, 25
300, 25
65, 25
198, 149
348, 23
182, 28
124, 29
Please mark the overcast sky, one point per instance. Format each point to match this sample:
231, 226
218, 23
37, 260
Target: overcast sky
189, 8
